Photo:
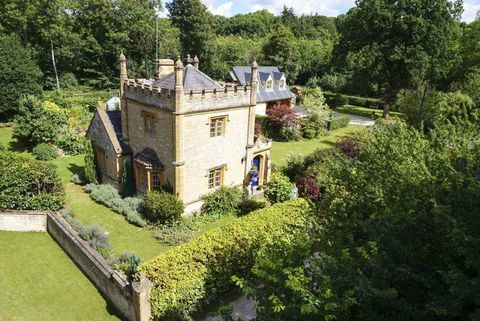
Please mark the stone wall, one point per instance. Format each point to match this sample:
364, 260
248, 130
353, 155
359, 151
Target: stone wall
131, 301
23, 221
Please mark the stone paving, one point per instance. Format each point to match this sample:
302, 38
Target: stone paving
356, 120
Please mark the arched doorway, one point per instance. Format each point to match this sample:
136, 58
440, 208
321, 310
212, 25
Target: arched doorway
259, 163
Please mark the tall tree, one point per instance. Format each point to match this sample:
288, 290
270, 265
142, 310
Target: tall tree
281, 50
19, 74
196, 26
398, 44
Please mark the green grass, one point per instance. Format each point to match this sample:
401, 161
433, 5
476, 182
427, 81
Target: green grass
122, 234
363, 111
39, 282
281, 149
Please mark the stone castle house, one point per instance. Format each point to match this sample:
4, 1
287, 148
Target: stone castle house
182, 129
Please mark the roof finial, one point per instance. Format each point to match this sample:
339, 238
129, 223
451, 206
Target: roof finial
178, 63
254, 63
122, 56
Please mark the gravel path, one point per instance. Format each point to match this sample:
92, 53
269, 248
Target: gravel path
357, 120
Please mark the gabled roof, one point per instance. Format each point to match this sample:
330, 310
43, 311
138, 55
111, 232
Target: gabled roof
193, 79
242, 75
112, 123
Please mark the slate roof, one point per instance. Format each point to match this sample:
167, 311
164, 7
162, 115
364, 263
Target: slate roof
149, 158
193, 79
115, 118
242, 75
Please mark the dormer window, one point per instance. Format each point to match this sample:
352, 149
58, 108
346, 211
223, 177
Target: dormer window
281, 84
269, 85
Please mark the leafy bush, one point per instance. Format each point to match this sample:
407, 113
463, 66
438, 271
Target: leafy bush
26, 183
135, 218
338, 122
279, 189
295, 165
104, 194
334, 99
175, 233
308, 188
282, 123
313, 125
222, 201
348, 146
196, 273
39, 122
128, 263
45, 152
333, 81
91, 172
250, 204
2, 147
162, 207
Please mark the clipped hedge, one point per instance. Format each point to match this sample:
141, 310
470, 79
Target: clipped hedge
334, 99
28, 184
338, 122
195, 273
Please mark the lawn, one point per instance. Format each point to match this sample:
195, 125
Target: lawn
363, 111
281, 149
40, 282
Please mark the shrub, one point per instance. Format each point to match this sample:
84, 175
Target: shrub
175, 233
279, 189
26, 183
39, 122
93, 234
107, 195
135, 218
308, 188
338, 122
250, 204
282, 123
162, 207
91, 173
313, 125
222, 201
295, 165
348, 146
45, 152
128, 263
197, 272
104, 194
2, 147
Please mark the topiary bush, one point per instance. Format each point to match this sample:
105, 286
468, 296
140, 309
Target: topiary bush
197, 272
29, 184
45, 152
250, 204
279, 189
223, 201
162, 207
91, 172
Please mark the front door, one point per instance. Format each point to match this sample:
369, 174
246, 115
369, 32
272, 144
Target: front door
257, 162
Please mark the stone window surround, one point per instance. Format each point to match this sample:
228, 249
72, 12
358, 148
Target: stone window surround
213, 125
148, 123
212, 176
145, 178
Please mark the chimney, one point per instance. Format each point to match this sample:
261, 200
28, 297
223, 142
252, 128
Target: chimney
163, 67
123, 72
196, 62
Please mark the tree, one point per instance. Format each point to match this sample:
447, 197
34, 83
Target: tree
397, 238
392, 45
195, 23
19, 75
281, 50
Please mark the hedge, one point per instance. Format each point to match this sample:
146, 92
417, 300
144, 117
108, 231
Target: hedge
196, 273
338, 122
334, 99
28, 184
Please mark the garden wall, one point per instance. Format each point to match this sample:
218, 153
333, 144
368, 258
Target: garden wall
131, 300
23, 221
